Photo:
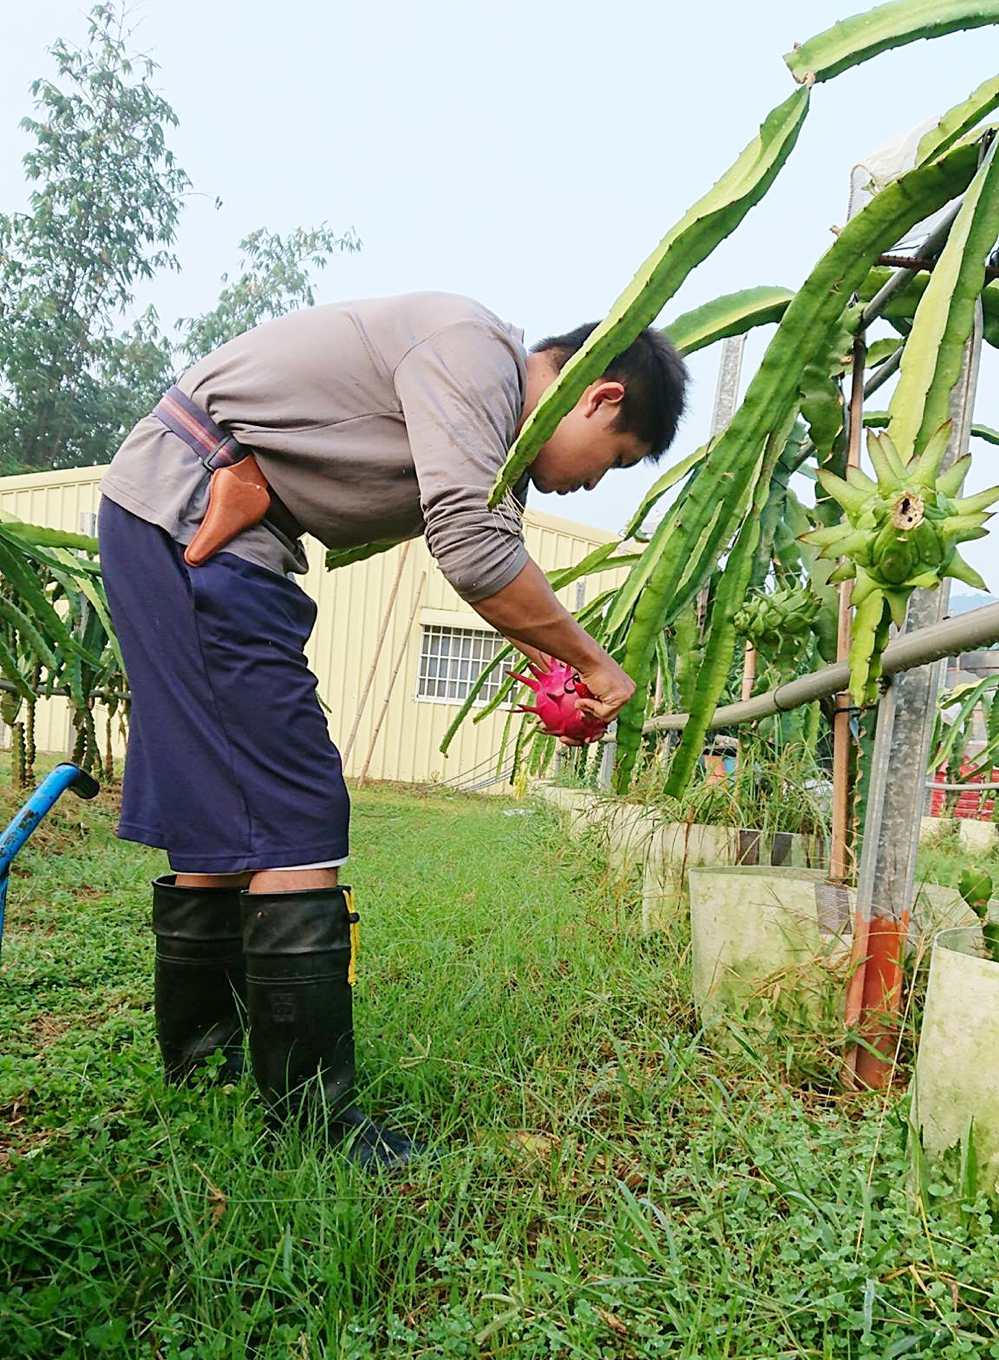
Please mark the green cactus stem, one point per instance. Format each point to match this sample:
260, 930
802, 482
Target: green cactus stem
729, 314
852, 41
958, 121
691, 240
711, 508
899, 534
975, 886
18, 763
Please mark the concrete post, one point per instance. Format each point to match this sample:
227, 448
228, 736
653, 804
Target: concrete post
901, 749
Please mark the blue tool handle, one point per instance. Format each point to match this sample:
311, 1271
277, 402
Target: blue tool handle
64, 776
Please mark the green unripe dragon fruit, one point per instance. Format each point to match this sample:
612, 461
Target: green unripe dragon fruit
900, 534
778, 623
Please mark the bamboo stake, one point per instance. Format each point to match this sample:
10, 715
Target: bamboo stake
749, 661
391, 683
839, 869
362, 702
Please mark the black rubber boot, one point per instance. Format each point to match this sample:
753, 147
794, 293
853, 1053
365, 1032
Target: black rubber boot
200, 987
298, 957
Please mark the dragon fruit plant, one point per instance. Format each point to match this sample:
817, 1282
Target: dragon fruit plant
558, 688
900, 533
733, 509
975, 887
779, 623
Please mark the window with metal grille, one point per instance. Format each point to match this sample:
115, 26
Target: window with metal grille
452, 659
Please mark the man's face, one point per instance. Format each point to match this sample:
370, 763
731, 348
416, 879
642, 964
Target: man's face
586, 445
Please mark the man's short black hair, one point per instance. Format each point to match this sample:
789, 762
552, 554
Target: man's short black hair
654, 378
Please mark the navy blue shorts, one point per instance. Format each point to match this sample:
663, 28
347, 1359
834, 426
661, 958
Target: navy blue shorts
229, 765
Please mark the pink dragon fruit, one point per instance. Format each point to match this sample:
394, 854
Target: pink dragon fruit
557, 689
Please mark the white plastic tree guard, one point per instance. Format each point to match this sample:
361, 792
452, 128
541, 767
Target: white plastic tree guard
956, 1082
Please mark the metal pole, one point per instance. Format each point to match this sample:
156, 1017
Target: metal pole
607, 758
895, 803
964, 632
726, 400
965, 788
727, 387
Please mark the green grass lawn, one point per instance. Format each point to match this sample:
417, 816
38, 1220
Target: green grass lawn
605, 1184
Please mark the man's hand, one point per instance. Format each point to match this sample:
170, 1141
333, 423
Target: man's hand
610, 686
527, 612
617, 688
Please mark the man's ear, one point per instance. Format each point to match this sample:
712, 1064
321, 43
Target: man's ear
604, 392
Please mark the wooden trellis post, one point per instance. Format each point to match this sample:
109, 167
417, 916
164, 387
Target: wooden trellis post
839, 860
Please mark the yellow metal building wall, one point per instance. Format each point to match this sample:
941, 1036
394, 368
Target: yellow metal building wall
352, 604
60, 500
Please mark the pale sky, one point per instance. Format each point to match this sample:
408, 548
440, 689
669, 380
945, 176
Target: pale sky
528, 154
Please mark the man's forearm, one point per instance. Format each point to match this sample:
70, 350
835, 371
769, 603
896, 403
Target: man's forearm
528, 613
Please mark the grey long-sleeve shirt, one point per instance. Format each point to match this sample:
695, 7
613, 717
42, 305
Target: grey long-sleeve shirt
378, 419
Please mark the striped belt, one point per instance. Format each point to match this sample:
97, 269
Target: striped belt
215, 449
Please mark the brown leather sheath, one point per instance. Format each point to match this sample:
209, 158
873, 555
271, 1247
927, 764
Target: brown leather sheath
238, 498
